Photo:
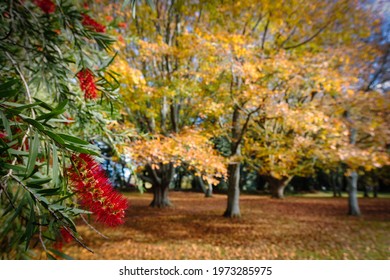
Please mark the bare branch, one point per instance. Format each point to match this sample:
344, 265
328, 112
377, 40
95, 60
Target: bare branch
310, 38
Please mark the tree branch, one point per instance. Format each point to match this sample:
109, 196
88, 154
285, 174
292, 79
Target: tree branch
310, 38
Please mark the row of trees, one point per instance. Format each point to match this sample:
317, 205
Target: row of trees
288, 84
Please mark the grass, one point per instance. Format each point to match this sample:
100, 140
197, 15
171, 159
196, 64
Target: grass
293, 228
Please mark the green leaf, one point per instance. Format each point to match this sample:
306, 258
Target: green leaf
60, 254
50, 256
55, 166
34, 148
17, 152
77, 211
50, 115
34, 123
55, 112
6, 89
30, 228
49, 192
39, 181
43, 104
73, 139
6, 125
41, 199
20, 168
55, 137
82, 150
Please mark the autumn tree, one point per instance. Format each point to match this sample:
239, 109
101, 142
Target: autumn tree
158, 72
189, 149
256, 61
219, 66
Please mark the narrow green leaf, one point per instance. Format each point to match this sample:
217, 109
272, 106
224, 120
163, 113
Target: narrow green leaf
61, 106
30, 228
55, 137
60, 254
35, 124
73, 139
20, 168
49, 192
82, 150
77, 211
50, 256
55, 166
50, 115
43, 104
39, 181
6, 125
17, 152
34, 148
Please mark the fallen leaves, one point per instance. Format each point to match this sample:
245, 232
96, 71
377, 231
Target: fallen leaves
295, 228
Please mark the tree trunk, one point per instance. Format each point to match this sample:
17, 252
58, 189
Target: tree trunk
160, 179
209, 191
160, 196
335, 183
277, 186
233, 203
352, 191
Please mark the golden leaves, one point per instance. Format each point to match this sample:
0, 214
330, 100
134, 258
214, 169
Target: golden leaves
191, 148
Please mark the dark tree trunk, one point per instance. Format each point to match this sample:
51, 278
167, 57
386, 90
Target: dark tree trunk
375, 190
277, 186
160, 179
352, 179
233, 203
207, 190
366, 191
352, 191
335, 183
160, 196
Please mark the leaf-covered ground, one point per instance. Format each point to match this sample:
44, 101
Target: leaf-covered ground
293, 228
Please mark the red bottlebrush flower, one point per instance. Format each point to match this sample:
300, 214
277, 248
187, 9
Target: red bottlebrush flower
96, 192
3, 135
64, 236
92, 24
87, 83
47, 6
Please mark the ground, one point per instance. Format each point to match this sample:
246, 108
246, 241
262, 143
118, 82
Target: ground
293, 228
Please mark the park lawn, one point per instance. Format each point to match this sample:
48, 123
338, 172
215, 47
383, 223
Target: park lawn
293, 228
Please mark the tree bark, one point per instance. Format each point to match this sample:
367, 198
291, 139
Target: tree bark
160, 196
353, 204
233, 203
352, 192
160, 178
277, 186
207, 190
336, 183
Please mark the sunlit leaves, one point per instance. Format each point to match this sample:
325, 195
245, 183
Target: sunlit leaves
189, 148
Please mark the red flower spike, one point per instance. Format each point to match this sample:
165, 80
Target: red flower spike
92, 24
96, 192
65, 236
87, 83
47, 6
